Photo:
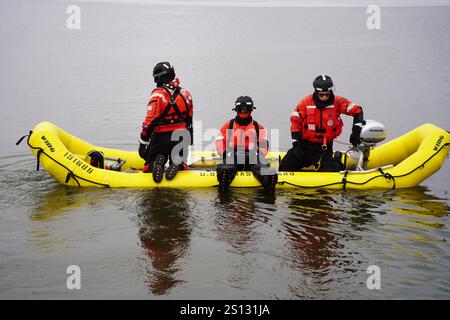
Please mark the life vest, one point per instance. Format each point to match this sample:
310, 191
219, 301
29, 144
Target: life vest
249, 137
239, 137
170, 108
319, 125
174, 112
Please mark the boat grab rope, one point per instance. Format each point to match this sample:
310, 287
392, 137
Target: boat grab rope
70, 174
386, 175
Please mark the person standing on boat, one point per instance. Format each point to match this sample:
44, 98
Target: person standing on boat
243, 145
169, 117
315, 123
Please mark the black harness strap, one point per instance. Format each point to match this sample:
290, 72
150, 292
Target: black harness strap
188, 119
185, 103
173, 103
229, 132
161, 118
257, 133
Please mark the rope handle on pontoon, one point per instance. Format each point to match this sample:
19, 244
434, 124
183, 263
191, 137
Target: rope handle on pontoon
388, 176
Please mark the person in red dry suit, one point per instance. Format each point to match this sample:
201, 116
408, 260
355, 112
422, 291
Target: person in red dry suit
169, 118
315, 123
243, 145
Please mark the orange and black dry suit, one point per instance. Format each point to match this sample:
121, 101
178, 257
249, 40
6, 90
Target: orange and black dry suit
242, 136
170, 109
243, 144
314, 126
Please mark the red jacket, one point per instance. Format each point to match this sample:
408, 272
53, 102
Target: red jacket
159, 100
320, 125
242, 136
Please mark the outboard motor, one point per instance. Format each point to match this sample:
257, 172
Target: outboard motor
371, 133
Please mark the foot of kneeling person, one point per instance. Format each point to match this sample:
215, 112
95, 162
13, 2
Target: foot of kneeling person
156, 168
173, 169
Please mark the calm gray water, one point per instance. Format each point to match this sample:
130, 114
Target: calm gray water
193, 243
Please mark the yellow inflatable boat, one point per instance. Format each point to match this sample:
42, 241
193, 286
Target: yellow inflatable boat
400, 163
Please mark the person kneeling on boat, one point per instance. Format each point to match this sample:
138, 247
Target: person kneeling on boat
242, 143
169, 118
315, 123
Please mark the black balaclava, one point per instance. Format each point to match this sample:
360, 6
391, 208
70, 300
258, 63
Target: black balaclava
322, 104
243, 122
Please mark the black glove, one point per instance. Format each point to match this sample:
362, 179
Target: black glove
296, 136
142, 150
355, 138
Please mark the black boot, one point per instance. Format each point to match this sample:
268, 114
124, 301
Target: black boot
225, 175
266, 176
158, 168
269, 183
172, 170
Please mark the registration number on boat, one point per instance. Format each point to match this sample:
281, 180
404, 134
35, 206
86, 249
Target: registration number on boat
83, 165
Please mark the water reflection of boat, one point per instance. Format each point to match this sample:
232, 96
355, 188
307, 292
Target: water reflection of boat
165, 233
329, 231
58, 201
50, 229
418, 202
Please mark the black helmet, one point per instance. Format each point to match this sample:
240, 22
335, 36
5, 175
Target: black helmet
323, 83
163, 73
243, 104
